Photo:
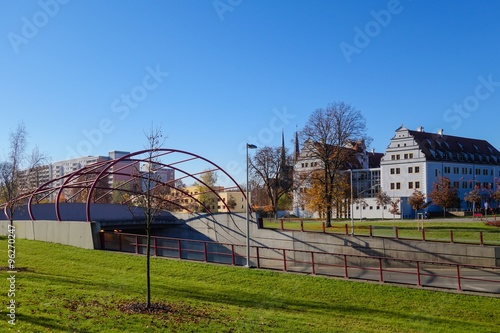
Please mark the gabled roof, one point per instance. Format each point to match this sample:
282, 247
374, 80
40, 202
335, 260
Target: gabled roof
439, 147
374, 159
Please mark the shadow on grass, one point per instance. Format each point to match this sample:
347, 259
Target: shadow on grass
298, 306
48, 323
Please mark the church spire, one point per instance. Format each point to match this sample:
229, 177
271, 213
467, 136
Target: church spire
297, 150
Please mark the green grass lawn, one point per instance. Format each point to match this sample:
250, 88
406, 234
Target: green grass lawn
464, 230
65, 289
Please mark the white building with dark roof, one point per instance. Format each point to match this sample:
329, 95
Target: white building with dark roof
414, 159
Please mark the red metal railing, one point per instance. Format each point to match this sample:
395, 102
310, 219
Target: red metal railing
424, 233
446, 275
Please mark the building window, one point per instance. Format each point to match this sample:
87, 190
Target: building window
392, 171
411, 155
455, 170
447, 169
410, 185
398, 186
485, 172
410, 169
392, 186
455, 184
417, 169
478, 171
417, 184
406, 156
398, 171
464, 184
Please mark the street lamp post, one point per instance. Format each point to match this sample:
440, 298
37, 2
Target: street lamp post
352, 207
249, 146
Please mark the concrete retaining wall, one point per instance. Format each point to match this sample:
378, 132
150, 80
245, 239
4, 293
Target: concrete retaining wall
226, 229
75, 233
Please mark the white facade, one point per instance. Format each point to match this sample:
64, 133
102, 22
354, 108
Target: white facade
416, 159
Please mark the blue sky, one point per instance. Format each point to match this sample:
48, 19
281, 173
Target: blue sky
87, 77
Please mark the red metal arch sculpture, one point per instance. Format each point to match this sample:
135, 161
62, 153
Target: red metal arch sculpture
91, 181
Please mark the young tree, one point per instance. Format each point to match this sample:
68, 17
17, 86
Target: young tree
148, 199
394, 210
313, 197
382, 199
328, 132
496, 194
13, 179
270, 169
474, 197
417, 202
444, 195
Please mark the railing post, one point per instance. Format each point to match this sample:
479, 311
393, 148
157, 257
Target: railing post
323, 227
346, 273
258, 256
451, 236
419, 283
205, 256
179, 248
313, 270
381, 271
154, 244
396, 232
301, 225
371, 231
459, 282
284, 260
346, 229
136, 244
481, 238
232, 255
120, 242
423, 234
281, 224
102, 240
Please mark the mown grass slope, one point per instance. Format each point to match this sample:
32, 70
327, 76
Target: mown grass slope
65, 289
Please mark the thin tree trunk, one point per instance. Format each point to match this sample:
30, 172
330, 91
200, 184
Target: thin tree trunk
148, 259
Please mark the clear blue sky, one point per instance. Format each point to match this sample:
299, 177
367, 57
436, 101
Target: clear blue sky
91, 76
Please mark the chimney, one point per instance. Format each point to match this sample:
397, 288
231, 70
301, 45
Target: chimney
420, 129
440, 132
